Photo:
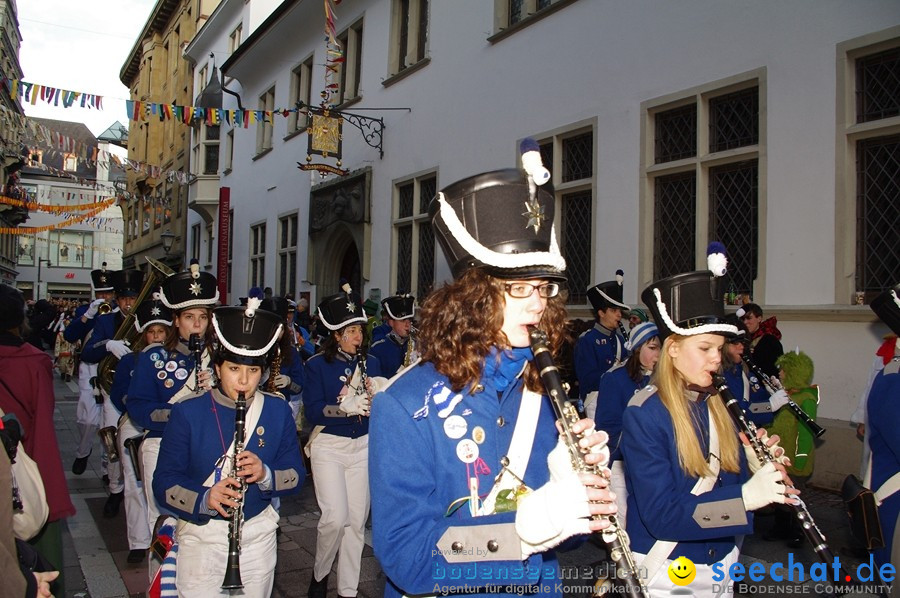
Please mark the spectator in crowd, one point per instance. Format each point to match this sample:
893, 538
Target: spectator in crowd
765, 338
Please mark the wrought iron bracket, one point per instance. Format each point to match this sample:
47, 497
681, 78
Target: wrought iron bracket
372, 129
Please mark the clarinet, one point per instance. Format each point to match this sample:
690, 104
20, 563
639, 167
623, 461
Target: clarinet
764, 454
773, 385
195, 346
614, 537
622, 330
236, 519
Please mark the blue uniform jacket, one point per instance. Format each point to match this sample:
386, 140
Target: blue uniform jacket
883, 419
294, 371
616, 389
194, 440
660, 503
94, 349
390, 354
323, 384
595, 353
158, 375
77, 330
416, 471
379, 332
119, 389
758, 408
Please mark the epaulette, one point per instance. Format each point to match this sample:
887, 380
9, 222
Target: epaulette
641, 396
892, 367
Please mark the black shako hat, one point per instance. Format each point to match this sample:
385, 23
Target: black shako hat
127, 283
608, 294
689, 304
101, 279
501, 221
341, 309
246, 334
887, 307
276, 305
151, 311
398, 307
192, 288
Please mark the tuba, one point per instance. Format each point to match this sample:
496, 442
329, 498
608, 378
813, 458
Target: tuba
106, 370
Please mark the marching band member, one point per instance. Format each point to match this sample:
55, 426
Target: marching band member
337, 400
201, 480
397, 311
473, 412
89, 412
688, 490
101, 342
883, 422
600, 348
617, 386
288, 380
152, 319
168, 374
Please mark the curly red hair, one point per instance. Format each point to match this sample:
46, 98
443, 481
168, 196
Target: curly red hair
461, 321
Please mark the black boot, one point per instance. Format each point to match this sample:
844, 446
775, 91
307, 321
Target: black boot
317, 589
80, 464
111, 508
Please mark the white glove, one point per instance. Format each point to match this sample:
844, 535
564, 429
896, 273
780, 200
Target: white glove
779, 400
551, 514
282, 381
93, 308
753, 463
560, 461
354, 404
764, 488
118, 348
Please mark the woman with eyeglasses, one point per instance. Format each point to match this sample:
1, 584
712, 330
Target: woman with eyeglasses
167, 374
471, 488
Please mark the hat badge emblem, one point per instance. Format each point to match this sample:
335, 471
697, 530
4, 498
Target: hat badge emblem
195, 288
351, 307
102, 279
535, 214
154, 311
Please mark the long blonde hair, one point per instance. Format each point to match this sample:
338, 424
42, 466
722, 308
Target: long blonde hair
672, 384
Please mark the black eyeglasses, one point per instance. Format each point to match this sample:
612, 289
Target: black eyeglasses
523, 290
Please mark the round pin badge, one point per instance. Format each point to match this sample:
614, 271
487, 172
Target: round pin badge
171, 366
478, 434
169, 383
158, 364
181, 373
455, 427
154, 357
161, 375
467, 450
260, 431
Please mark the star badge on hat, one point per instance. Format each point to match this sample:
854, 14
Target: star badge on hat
535, 214
103, 278
155, 311
351, 307
195, 288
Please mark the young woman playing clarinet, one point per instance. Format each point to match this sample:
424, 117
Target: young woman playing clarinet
689, 490
224, 456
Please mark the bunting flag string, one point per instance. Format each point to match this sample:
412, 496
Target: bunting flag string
30, 205
7, 230
334, 60
29, 93
75, 246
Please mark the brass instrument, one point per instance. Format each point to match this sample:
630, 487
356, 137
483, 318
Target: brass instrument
133, 445
104, 308
236, 518
106, 370
614, 537
274, 371
108, 437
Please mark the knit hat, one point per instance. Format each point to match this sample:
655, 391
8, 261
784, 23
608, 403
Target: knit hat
640, 334
12, 308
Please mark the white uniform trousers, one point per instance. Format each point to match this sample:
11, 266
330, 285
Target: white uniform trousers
136, 517
203, 554
340, 468
111, 417
703, 586
617, 485
149, 456
88, 413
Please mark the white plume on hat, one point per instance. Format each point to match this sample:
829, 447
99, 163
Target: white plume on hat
531, 161
716, 260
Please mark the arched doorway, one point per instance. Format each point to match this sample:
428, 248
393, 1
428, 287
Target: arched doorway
350, 268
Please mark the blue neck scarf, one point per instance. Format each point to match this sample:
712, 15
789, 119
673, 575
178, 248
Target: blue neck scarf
510, 365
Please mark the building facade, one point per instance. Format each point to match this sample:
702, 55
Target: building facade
58, 262
772, 128
11, 155
155, 71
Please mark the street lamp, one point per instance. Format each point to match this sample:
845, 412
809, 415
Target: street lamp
168, 238
37, 291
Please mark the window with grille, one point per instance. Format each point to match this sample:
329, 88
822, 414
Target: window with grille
351, 42
410, 34
264, 127
572, 178
513, 12
877, 214
878, 86
696, 197
195, 241
258, 255
300, 93
413, 236
287, 255
234, 40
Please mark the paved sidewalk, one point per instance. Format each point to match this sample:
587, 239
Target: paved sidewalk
96, 547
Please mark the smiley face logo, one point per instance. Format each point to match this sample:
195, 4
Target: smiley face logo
682, 571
